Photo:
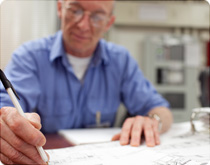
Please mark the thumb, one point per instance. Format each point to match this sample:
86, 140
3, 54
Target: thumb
34, 119
116, 137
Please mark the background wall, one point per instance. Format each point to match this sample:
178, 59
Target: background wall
23, 20
137, 19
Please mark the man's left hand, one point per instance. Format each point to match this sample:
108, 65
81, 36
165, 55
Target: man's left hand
133, 129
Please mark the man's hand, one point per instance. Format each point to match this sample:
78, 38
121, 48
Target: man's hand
134, 127
19, 136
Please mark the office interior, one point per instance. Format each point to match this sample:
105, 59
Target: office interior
168, 39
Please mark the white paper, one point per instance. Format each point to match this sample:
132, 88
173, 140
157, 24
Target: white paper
178, 146
190, 150
93, 135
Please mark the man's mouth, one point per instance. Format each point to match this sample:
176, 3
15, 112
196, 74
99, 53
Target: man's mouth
80, 37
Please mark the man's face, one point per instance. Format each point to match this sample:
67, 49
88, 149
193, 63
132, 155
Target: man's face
83, 23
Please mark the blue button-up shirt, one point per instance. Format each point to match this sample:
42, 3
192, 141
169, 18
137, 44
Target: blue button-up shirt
46, 83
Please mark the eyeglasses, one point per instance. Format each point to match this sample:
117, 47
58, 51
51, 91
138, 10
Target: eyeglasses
76, 13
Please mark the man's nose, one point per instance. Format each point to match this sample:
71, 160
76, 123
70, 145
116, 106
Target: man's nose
84, 23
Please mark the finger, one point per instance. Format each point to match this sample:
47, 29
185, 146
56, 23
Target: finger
5, 160
19, 145
126, 131
156, 131
22, 127
116, 137
34, 119
137, 131
14, 155
148, 132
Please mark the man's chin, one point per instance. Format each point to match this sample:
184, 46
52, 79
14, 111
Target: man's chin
81, 51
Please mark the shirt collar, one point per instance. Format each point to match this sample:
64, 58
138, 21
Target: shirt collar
57, 49
100, 54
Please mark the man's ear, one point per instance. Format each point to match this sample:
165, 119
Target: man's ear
110, 22
59, 9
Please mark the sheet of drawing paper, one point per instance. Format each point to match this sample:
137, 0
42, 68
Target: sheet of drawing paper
178, 146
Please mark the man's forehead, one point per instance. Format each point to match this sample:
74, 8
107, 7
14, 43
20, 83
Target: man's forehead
105, 4
90, 0
109, 2
93, 1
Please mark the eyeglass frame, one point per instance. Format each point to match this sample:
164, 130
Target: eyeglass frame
94, 23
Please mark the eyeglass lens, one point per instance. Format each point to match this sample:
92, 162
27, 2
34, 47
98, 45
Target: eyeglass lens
77, 13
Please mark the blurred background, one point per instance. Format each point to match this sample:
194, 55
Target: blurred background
169, 40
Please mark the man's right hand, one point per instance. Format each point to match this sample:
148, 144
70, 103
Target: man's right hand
19, 136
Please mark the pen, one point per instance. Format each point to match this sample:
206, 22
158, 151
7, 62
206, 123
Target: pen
98, 119
13, 95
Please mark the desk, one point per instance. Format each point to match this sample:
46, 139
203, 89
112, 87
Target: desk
55, 141
178, 146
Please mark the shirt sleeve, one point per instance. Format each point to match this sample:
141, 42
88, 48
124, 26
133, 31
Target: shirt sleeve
138, 94
22, 73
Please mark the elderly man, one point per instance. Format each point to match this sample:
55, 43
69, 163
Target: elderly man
70, 77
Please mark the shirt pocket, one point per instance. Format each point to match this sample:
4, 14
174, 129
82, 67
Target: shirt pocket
107, 109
